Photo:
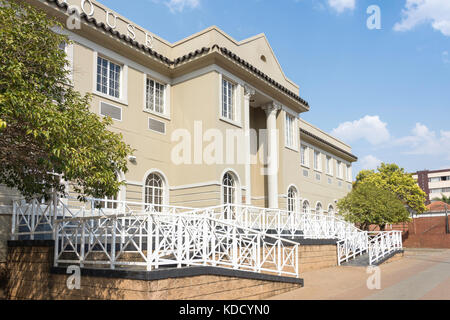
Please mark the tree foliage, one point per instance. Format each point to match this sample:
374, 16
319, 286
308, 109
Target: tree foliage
368, 204
49, 132
398, 181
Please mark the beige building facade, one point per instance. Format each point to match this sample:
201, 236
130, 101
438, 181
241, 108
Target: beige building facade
212, 120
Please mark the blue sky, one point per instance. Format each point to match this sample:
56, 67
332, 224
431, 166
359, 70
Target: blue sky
386, 92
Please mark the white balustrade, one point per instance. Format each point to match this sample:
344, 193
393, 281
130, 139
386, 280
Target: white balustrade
154, 225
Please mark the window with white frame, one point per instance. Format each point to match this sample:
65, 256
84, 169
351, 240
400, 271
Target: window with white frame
319, 208
228, 100
306, 208
154, 192
292, 199
349, 173
339, 169
329, 165
304, 155
108, 77
155, 96
331, 210
68, 50
317, 161
229, 189
290, 131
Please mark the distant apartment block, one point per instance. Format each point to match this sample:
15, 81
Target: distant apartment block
434, 183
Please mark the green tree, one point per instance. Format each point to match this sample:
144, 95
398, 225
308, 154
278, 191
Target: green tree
368, 204
50, 132
398, 181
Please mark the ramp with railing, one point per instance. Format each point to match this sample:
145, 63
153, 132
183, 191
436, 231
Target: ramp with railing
150, 234
150, 241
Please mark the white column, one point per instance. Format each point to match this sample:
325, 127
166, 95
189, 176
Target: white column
248, 93
272, 155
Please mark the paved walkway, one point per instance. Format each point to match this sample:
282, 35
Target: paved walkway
421, 274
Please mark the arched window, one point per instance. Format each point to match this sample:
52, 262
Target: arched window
154, 191
292, 196
319, 209
331, 210
229, 188
306, 208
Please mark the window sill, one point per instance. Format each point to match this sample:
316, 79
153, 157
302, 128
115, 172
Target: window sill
117, 100
234, 123
161, 115
305, 166
291, 148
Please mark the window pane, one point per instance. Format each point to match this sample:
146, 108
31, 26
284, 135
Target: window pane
155, 96
108, 77
228, 109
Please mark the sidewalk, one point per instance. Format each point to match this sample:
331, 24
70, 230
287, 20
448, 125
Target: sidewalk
421, 274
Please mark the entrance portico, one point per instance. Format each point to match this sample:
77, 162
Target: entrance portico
267, 149
271, 110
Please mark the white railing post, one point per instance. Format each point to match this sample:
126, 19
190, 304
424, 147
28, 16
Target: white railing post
279, 257
205, 240
279, 229
179, 241
213, 243
33, 218
235, 248
149, 242
56, 249
113, 243
258, 253
13, 222
54, 216
83, 241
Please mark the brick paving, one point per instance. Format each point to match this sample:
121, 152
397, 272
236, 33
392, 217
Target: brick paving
420, 274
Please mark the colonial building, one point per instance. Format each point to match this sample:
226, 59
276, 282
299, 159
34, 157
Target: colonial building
213, 120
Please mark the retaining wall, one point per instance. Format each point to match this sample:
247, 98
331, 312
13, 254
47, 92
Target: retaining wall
31, 276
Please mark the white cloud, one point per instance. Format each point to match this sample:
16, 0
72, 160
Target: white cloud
416, 12
342, 5
370, 128
370, 162
179, 5
424, 141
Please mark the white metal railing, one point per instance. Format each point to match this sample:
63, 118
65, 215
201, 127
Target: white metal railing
35, 219
381, 244
284, 223
310, 225
352, 246
151, 240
